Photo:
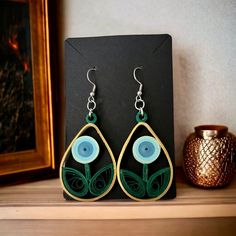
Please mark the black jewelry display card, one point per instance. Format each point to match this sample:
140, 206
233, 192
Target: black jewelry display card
115, 58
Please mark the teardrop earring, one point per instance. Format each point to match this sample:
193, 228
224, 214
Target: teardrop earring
83, 157
148, 153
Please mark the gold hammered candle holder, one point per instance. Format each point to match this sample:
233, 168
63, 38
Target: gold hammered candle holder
209, 156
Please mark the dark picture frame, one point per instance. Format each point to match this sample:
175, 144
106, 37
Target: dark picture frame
38, 155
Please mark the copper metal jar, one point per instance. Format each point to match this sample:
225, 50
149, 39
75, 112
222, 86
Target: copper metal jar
209, 156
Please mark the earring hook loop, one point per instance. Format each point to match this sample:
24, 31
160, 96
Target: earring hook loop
94, 85
139, 102
135, 77
91, 104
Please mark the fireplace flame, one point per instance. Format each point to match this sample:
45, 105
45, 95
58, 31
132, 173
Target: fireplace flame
13, 43
26, 66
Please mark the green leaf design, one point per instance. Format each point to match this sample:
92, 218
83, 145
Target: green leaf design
158, 182
133, 184
101, 180
75, 182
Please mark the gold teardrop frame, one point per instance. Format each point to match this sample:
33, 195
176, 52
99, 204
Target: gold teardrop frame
166, 154
89, 125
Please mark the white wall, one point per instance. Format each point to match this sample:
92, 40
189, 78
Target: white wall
204, 49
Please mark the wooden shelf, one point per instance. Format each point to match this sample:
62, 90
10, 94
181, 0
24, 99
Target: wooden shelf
39, 209
44, 200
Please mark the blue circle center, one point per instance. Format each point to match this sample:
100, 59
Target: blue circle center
146, 149
85, 149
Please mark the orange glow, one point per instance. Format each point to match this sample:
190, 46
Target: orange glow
14, 45
26, 66
13, 42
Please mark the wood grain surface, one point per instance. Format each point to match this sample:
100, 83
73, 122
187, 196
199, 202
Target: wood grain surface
40, 209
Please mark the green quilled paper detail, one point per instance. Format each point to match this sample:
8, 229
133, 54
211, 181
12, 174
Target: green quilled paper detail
156, 186
133, 183
153, 186
101, 180
75, 182
140, 118
79, 185
91, 119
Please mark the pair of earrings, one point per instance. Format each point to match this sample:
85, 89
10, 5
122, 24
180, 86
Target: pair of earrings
88, 148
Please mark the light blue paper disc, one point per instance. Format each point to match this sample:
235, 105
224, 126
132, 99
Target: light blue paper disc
146, 149
85, 149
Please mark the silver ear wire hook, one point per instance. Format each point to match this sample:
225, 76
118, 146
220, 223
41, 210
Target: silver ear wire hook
139, 102
91, 105
134, 75
94, 85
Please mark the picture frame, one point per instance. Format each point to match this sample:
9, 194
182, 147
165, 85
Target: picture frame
41, 156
